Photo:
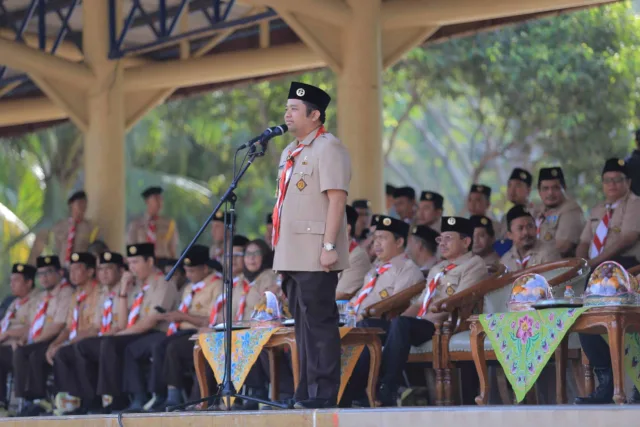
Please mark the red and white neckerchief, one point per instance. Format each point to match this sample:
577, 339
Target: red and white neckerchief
283, 183
246, 286
80, 298
539, 221
353, 245
71, 235
107, 314
431, 289
37, 326
184, 306
6, 320
602, 230
134, 313
366, 290
151, 229
523, 262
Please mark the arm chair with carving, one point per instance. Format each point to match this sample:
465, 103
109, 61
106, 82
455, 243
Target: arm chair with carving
396, 304
491, 296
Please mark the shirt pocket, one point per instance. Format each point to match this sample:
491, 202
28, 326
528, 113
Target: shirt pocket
449, 284
308, 227
303, 178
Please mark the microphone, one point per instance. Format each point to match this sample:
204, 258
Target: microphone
266, 136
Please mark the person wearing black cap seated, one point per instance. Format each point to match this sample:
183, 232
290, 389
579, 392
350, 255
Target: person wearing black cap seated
561, 220
430, 210
518, 193
527, 250
269, 229
350, 280
612, 233
179, 278
390, 209
153, 228
423, 248
14, 327
363, 207
81, 323
483, 238
216, 251
479, 202
310, 240
48, 319
459, 270
73, 234
404, 202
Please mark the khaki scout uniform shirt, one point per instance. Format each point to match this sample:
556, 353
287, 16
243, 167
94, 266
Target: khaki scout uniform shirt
324, 164
115, 312
266, 281
203, 299
492, 259
350, 280
402, 274
58, 305
87, 308
161, 293
625, 218
502, 229
437, 225
24, 314
470, 269
86, 233
166, 245
564, 223
540, 254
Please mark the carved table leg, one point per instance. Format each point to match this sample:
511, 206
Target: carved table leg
274, 372
477, 353
199, 362
561, 371
616, 346
295, 363
375, 353
588, 375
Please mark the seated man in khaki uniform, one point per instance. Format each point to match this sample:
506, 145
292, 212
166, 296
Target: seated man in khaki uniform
561, 221
483, 238
423, 247
404, 202
612, 233
73, 234
518, 193
393, 271
479, 202
527, 250
429, 211
153, 228
14, 328
350, 280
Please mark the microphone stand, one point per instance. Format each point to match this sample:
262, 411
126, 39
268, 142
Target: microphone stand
228, 199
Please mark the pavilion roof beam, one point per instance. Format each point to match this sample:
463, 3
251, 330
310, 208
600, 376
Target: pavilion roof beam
17, 55
403, 13
30, 110
335, 12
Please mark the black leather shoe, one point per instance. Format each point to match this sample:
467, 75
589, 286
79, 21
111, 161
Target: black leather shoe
315, 404
635, 397
603, 394
387, 396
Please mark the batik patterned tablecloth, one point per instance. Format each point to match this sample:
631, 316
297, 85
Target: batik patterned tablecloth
525, 341
246, 346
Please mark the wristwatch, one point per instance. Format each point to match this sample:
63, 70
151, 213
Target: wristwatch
329, 247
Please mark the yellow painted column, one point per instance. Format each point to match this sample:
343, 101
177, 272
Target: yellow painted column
104, 157
360, 101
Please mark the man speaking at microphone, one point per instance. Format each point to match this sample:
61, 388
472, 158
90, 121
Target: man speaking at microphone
310, 240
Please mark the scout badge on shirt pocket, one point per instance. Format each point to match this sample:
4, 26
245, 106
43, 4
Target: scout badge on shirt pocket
384, 294
450, 289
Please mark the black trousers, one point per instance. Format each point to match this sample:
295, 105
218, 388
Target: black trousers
259, 378
30, 370
313, 306
178, 361
65, 372
6, 366
150, 348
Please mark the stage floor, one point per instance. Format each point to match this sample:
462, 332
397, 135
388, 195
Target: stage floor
520, 416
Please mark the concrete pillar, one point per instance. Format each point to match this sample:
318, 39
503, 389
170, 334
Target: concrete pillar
360, 101
104, 159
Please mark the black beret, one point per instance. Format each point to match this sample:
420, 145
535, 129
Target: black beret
311, 94
457, 224
516, 212
161, 263
48, 260
197, 255
142, 249
425, 232
389, 190
109, 257
85, 258
481, 221
482, 189
374, 220
386, 223
615, 165
352, 216
269, 219
521, 175
220, 216
361, 204
240, 240
431, 196
27, 270
405, 192
151, 191
215, 265
551, 173
78, 195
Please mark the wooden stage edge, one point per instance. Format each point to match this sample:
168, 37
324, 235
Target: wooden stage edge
522, 416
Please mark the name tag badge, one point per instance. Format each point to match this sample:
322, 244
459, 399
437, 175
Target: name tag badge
616, 229
384, 294
548, 236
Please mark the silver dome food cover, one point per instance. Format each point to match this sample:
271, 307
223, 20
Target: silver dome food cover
527, 290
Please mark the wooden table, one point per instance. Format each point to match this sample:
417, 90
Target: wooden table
614, 321
285, 338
